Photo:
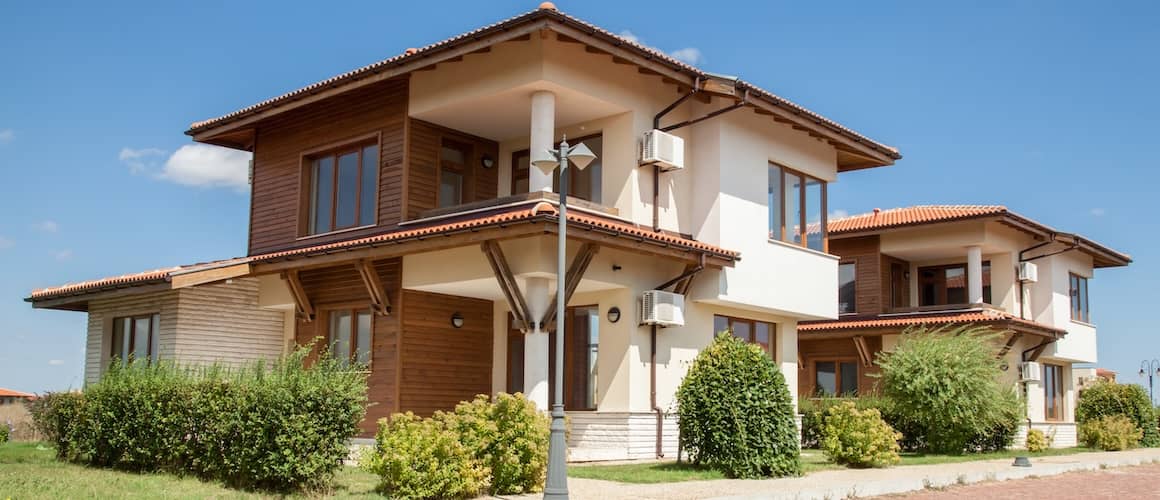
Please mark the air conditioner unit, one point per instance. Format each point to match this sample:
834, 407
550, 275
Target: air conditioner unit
1030, 371
664, 149
1028, 272
662, 308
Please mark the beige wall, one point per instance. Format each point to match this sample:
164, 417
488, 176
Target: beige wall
99, 341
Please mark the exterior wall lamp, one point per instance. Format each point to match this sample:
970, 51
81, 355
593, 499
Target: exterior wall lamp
457, 320
614, 314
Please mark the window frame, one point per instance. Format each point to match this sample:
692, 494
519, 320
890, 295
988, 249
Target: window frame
1053, 395
526, 174
570, 359
854, 283
353, 308
781, 233
837, 361
115, 351
336, 149
1080, 306
464, 170
771, 350
988, 296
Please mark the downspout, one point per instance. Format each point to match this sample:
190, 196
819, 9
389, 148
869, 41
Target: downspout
652, 361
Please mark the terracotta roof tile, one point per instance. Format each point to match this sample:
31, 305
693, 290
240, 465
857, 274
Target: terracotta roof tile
156, 275
964, 316
921, 214
9, 393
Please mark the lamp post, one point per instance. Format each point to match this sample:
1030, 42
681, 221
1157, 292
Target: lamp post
556, 485
1150, 368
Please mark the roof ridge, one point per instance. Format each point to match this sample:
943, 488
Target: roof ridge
880, 211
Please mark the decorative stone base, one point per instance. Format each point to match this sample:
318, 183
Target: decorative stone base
1063, 435
600, 436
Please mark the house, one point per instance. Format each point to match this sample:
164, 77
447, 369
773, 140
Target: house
954, 265
1084, 377
11, 397
396, 214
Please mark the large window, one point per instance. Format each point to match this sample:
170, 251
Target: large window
343, 188
349, 335
947, 285
757, 332
583, 184
847, 292
836, 378
582, 346
1079, 298
1053, 392
135, 337
797, 208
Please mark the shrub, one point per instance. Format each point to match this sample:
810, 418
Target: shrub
423, 458
277, 427
945, 384
736, 414
1130, 400
1110, 433
509, 436
1037, 441
859, 438
3, 433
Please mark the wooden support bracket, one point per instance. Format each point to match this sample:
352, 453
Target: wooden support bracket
508, 284
301, 300
379, 299
1010, 343
863, 351
1034, 356
572, 280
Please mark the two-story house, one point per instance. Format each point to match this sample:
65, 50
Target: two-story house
395, 214
948, 265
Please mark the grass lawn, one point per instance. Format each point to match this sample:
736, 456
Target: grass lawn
812, 461
30, 470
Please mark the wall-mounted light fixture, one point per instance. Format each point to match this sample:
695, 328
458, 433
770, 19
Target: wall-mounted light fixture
614, 314
457, 320
616, 267
486, 161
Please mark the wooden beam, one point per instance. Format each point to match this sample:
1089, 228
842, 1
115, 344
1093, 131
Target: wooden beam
801, 364
1039, 350
863, 351
572, 280
1010, 343
209, 275
379, 299
301, 300
508, 284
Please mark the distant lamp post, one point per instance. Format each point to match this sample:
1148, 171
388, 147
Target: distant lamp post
556, 485
1150, 368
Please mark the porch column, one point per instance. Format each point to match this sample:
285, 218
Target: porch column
536, 345
975, 274
543, 132
786, 350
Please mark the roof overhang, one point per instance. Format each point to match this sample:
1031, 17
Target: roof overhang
889, 324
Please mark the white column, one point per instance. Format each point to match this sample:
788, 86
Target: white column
536, 345
975, 274
786, 354
543, 132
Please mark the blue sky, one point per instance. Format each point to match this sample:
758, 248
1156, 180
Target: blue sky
1047, 107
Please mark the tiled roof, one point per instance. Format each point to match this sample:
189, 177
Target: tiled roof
939, 318
506, 24
921, 214
126, 280
9, 393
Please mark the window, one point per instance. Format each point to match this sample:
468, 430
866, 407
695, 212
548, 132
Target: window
1079, 298
349, 336
582, 184
947, 285
135, 337
453, 168
836, 378
343, 188
847, 293
582, 346
1053, 392
797, 208
757, 332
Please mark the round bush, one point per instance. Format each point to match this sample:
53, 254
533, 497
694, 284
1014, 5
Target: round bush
945, 384
736, 414
509, 436
1110, 433
1037, 441
859, 438
423, 458
4, 433
1130, 400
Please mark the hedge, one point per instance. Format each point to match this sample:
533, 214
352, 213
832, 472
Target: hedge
859, 438
279, 427
1106, 399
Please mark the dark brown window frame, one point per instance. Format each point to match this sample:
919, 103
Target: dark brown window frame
1080, 306
1058, 390
517, 176
465, 171
966, 283
854, 302
306, 182
114, 349
782, 233
325, 311
514, 335
837, 361
771, 350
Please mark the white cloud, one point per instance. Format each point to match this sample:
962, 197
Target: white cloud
837, 214
630, 36
47, 226
6, 135
6, 243
62, 255
203, 165
1098, 212
688, 55
141, 160
55, 362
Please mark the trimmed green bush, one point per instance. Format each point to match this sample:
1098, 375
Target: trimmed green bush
944, 383
1130, 400
280, 426
4, 431
813, 413
1037, 441
423, 458
1110, 433
736, 414
508, 435
859, 438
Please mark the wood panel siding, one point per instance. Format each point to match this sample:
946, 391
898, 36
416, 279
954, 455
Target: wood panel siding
425, 141
222, 323
888, 288
811, 351
864, 253
98, 345
278, 171
343, 285
442, 365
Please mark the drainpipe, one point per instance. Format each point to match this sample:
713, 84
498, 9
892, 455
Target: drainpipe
652, 361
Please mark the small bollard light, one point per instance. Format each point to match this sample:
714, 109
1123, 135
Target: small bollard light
1021, 462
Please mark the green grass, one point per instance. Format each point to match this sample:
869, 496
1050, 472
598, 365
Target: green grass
30, 470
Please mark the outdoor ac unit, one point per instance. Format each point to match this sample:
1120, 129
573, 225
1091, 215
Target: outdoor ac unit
1028, 272
662, 308
1030, 371
664, 149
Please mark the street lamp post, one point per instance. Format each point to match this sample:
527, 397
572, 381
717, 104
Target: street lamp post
556, 485
1150, 368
